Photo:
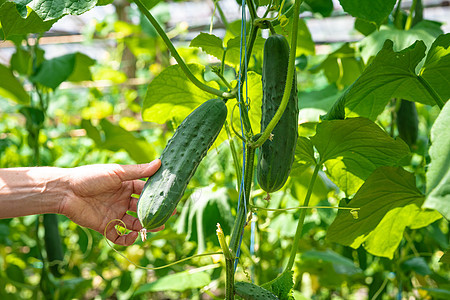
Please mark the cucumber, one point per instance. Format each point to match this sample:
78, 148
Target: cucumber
53, 244
250, 291
179, 160
408, 122
276, 156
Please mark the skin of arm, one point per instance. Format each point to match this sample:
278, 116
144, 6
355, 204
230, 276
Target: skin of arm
90, 196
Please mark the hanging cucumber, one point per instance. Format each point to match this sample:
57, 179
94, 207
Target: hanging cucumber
408, 122
53, 244
276, 155
179, 160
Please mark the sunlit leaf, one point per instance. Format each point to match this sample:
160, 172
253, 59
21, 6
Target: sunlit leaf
353, 148
181, 281
437, 66
11, 88
438, 173
51, 10
389, 202
209, 43
172, 95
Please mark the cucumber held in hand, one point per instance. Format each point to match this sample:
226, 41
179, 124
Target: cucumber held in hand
276, 155
179, 160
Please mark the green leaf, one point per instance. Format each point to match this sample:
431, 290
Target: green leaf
340, 264
438, 173
304, 156
281, 286
233, 49
353, 148
81, 71
438, 294
209, 43
305, 44
299, 184
11, 88
115, 138
416, 264
51, 73
324, 7
426, 31
445, 258
250, 291
204, 209
314, 103
172, 95
192, 279
364, 26
375, 11
341, 66
53, 10
437, 66
391, 75
389, 202
14, 24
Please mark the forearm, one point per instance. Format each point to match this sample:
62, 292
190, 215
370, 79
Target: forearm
29, 191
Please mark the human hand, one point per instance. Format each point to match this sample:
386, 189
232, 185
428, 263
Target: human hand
101, 193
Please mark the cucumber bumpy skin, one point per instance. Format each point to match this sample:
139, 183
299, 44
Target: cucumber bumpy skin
250, 291
276, 156
179, 160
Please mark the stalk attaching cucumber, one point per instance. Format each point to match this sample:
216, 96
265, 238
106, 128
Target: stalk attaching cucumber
179, 160
276, 155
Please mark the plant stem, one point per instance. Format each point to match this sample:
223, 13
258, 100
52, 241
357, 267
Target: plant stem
431, 91
410, 16
301, 220
289, 79
244, 202
234, 154
180, 61
252, 10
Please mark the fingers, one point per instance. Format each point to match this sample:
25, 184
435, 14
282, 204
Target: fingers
132, 172
138, 186
123, 240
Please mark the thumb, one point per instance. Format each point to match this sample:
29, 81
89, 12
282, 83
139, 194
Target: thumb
132, 172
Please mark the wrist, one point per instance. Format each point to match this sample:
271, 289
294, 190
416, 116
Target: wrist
28, 191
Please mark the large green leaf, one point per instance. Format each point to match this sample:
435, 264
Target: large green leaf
51, 10
11, 88
81, 70
425, 31
353, 148
115, 138
391, 75
370, 10
51, 73
281, 286
389, 202
209, 43
305, 44
436, 69
172, 95
341, 66
192, 279
14, 24
438, 173
331, 268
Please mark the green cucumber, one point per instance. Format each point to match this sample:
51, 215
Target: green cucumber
179, 160
276, 155
53, 244
250, 291
408, 122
